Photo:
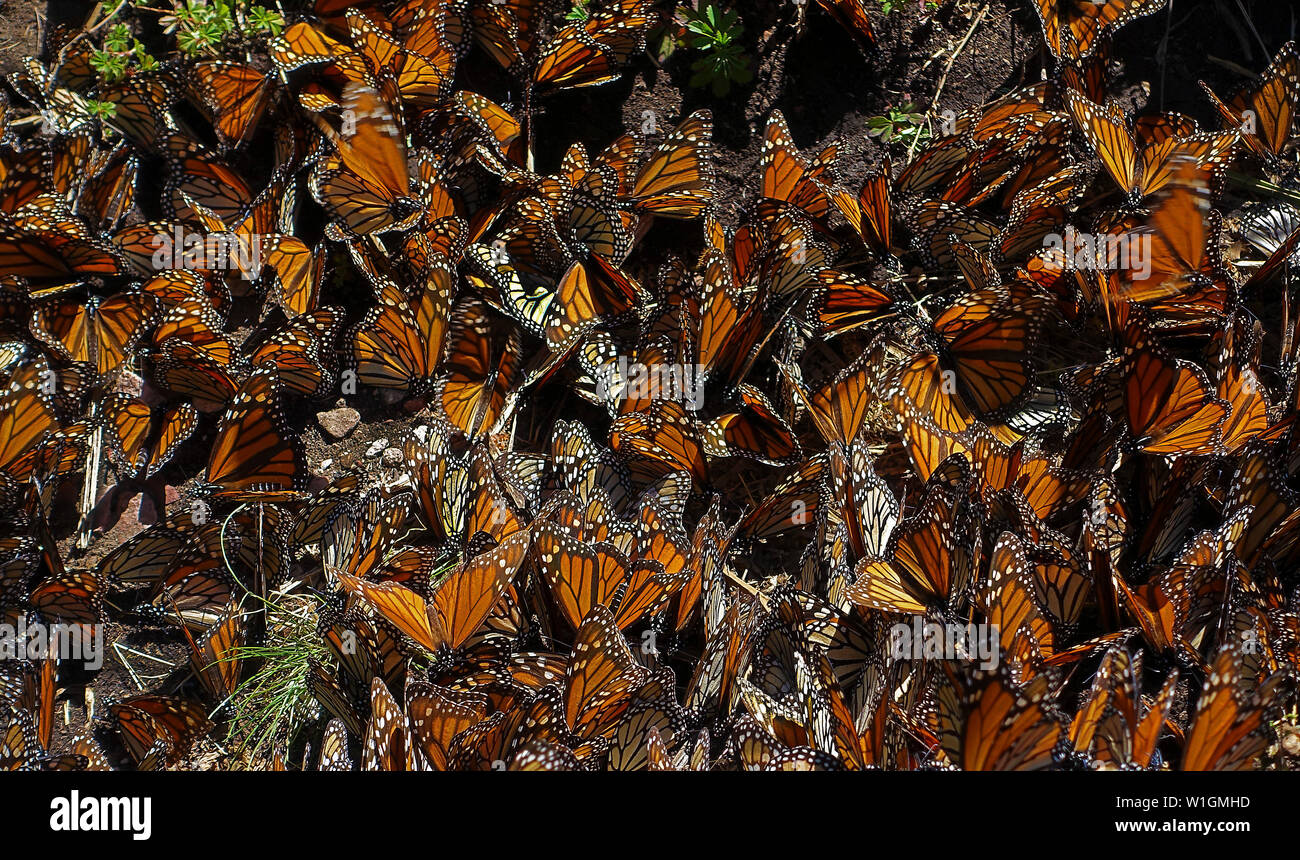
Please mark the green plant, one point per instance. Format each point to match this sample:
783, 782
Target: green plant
904, 124
717, 36
101, 110
888, 6
274, 704
579, 12
120, 48
201, 27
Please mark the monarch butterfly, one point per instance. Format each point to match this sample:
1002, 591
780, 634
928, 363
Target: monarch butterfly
302, 44
1181, 280
87, 748
159, 727
147, 557
1273, 230
1239, 387
594, 51
755, 430
188, 370
935, 169
988, 722
459, 604
837, 410
1011, 601
195, 174
437, 714
298, 270
601, 676
1075, 28
561, 312
583, 575
357, 538
21, 180
302, 352
421, 75
195, 590
215, 658
989, 336
937, 424
934, 222
1172, 604
142, 107
496, 133
334, 753
725, 325
862, 500
442, 484
849, 301
1169, 404
509, 32
195, 356
196, 322
366, 189
253, 451
649, 726
491, 513
666, 435
790, 255
871, 211
677, 181
793, 503
1113, 719
1265, 113
145, 447
1141, 168
791, 178
234, 96
757, 749
584, 468
118, 323
1230, 729
476, 390
20, 748
386, 744
27, 415
928, 562
41, 241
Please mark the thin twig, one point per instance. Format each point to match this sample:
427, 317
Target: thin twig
1251, 24
1233, 67
90, 484
961, 46
1162, 50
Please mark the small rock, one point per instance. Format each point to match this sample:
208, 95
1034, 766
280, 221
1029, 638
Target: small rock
1290, 737
422, 433
392, 457
338, 423
326, 463
376, 448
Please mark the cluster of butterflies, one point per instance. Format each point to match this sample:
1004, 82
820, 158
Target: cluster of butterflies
898, 408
